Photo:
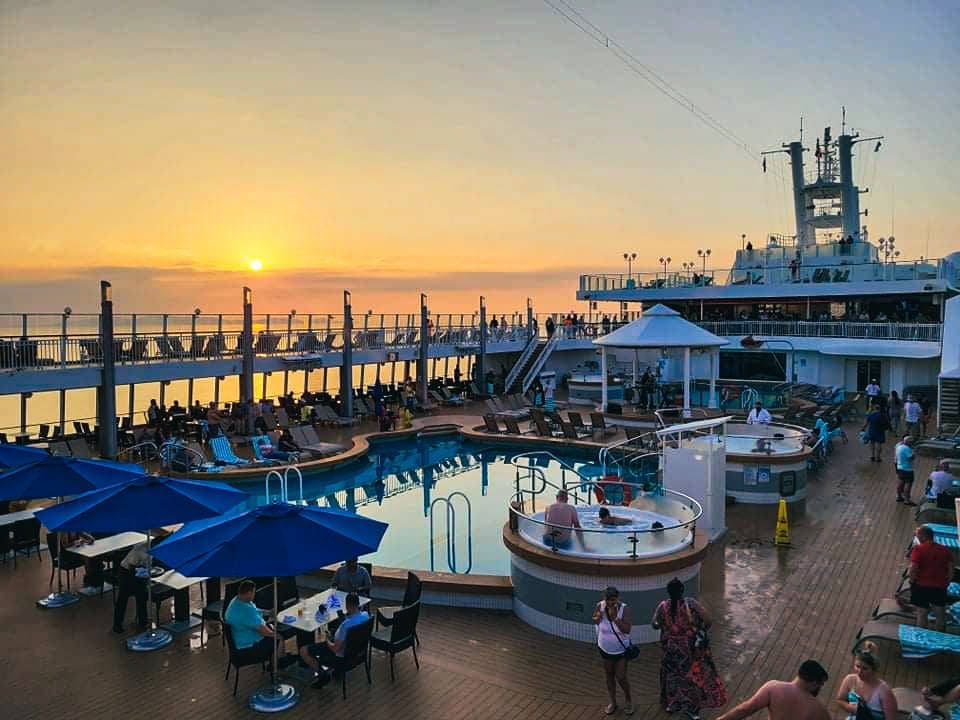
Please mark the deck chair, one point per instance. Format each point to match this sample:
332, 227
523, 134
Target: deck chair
915, 642
513, 428
307, 342
258, 454
543, 430
59, 448
490, 423
327, 415
269, 420
283, 420
569, 431
266, 343
890, 609
79, 448
577, 421
216, 346
223, 452
307, 439
598, 423
176, 346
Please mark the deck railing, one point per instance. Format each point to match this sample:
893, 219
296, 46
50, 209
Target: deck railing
40, 351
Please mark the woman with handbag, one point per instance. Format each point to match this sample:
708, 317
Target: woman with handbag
688, 678
612, 619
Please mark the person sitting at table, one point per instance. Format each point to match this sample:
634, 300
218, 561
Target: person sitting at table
92, 567
327, 652
941, 481
352, 578
252, 637
131, 585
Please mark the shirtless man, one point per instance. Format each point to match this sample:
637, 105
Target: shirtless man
607, 519
560, 516
794, 700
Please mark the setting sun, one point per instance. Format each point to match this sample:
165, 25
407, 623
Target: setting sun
256, 265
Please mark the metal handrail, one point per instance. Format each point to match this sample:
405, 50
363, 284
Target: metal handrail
170, 444
521, 362
138, 447
451, 516
606, 449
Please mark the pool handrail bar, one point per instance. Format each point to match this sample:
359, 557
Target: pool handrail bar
451, 515
283, 480
146, 444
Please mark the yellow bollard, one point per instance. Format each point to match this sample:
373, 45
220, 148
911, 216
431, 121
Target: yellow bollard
782, 537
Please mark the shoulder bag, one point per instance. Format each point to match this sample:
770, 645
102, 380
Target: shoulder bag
630, 651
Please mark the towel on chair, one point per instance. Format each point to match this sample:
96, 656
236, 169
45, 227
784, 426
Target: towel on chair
920, 643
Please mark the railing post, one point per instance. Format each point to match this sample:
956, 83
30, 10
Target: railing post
107, 417
63, 339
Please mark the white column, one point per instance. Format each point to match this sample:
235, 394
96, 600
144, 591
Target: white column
686, 382
636, 361
714, 364
603, 379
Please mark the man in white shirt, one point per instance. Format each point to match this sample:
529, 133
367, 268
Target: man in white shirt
759, 415
873, 391
911, 414
941, 480
131, 586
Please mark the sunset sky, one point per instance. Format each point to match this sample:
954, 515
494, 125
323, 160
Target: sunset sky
456, 148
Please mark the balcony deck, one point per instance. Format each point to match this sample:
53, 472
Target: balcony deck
773, 609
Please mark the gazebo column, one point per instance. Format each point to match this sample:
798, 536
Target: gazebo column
714, 365
603, 379
686, 382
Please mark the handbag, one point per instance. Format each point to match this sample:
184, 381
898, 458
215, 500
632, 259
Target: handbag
631, 651
700, 640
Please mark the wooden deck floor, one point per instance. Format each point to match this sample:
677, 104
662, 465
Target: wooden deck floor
774, 608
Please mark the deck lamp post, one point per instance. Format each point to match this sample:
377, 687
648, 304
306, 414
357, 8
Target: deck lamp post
629, 257
704, 254
665, 261
688, 268
751, 343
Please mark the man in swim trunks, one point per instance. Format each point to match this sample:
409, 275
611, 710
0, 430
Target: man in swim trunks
795, 700
559, 517
607, 519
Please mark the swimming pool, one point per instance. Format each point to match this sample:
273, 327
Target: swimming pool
399, 481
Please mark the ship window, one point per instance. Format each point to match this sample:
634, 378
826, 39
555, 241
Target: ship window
753, 366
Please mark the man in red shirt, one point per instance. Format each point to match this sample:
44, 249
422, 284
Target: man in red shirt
931, 568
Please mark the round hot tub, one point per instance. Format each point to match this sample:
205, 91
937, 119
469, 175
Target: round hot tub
559, 573
766, 463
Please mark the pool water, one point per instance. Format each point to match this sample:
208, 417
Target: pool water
399, 482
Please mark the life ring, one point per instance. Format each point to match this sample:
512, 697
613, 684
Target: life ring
611, 483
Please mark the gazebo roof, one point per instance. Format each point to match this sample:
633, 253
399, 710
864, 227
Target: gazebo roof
661, 327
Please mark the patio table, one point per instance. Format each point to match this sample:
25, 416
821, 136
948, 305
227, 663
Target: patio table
182, 619
11, 518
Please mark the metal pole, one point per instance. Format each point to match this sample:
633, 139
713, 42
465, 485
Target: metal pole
424, 349
346, 367
246, 373
481, 356
529, 318
107, 417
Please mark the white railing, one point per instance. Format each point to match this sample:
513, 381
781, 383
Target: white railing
928, 332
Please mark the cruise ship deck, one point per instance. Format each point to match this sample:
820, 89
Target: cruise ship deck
773, 609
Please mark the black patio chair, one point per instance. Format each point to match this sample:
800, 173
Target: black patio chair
411, 595
401, 635
356, 652
236, 660
26, 536
66, 561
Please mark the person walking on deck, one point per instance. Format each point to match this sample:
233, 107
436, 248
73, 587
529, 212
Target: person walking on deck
794, 700
912, 413
688, 677
875, 426
903, 454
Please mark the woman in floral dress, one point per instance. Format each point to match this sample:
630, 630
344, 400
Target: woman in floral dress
688, 678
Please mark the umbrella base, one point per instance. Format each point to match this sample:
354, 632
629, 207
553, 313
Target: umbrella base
58, 600
275, 698
149, 640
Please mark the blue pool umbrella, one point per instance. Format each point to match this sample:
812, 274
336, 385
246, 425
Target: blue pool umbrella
12, 456
144, 502
51, 476
271, 540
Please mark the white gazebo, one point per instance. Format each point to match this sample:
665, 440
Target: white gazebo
661, 328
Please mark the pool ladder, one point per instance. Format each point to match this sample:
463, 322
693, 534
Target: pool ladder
283, 480
451, 516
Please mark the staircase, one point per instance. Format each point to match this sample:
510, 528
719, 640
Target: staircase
949, 412
530, 363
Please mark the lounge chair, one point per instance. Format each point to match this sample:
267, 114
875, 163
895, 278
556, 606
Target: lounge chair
891, 609
577, 421
307, 439
327, 415
266, 344
59, 448
79, 448
490, 423
570, 432
915, 642
597, 422
255, 442
91, 350
543, 430
283, 420
223, 452
513, 428
307, 342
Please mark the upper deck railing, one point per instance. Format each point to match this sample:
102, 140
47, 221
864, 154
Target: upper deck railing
458, 333
762, 273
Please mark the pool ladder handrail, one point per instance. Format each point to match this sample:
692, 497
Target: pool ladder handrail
139, 449
283, 481
452, 532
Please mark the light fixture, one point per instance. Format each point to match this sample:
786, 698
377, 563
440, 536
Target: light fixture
196, 311
68, 310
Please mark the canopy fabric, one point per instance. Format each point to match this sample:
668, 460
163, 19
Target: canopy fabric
148, 501
278, 540
661, 327
12, 456
55, 476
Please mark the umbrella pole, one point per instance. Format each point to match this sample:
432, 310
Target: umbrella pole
278, 696
59, 598
153, 638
